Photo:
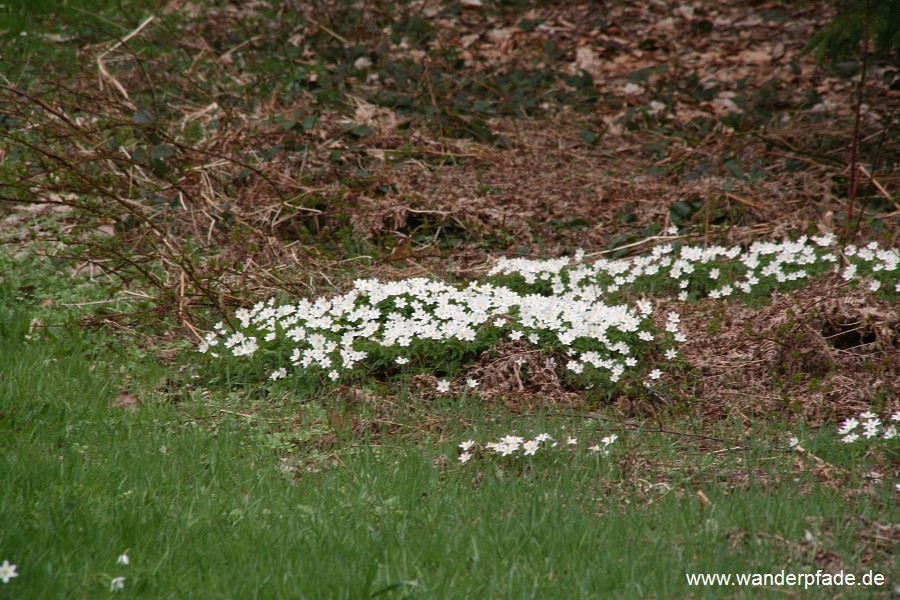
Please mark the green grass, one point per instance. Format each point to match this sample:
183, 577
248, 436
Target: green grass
208, 506
62, 15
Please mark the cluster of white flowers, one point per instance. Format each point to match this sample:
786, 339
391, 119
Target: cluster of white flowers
872, 427
688, 266
511, 444
399, 320
403, 317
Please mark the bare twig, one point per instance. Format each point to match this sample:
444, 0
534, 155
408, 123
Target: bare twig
101, 66
851, 188
878, 186
330, 32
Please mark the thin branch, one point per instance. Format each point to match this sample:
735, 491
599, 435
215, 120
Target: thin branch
851, 192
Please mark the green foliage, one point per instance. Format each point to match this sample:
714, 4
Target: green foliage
841, 38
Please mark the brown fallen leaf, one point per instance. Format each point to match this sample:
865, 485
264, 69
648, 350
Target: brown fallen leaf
501, 35
586, 60
754, 57
402, 251
127, 401
703, 499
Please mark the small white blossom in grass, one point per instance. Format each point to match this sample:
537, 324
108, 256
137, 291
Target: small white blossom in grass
680, 338
334, 375
594, 448
671, 353
714, 274
530, 447
895, 416
870, 428
515, 335
889, 433
123, 559
609, 439
117, 583
847, 426
630, 361
401, 360
793, 441
443, 386
7, 571
850, 438
535, 338
672, 230
867, 415
655, 374
506, 449
682, 296
466, 445
472, 383
506, 445
543, 437
646, 336
278, 374
572, 441
464, 457
824, 240
874, 285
